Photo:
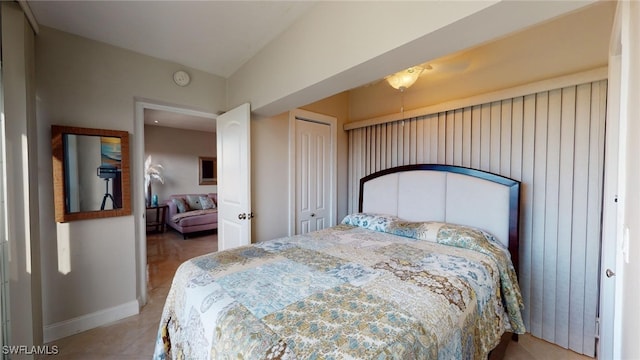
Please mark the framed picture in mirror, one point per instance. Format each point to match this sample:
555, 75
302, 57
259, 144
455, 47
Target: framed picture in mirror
208, 171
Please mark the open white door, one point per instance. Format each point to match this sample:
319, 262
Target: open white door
619, 281
234, 184
610, 262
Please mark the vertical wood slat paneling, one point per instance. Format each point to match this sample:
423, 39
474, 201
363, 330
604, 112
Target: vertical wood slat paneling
434, 137
457, 137
565, 218
475, 136
389, 145
485, 137
413, 143
495, 119
449, 134
539, 183
466, 138
526, 207
580, 215
378, 148
406, 126
420, 142
553, 142
505, 138
551, 201
442, 138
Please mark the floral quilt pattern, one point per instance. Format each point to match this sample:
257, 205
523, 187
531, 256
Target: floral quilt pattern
374, 287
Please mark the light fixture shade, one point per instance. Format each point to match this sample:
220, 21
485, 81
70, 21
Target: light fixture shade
404, 79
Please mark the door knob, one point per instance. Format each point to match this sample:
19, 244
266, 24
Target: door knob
609, 273
313, 215
242, 216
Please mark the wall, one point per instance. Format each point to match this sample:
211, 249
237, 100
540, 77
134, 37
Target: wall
25, 314
270, 168
89, 272
365, 41
177, 150
269, 177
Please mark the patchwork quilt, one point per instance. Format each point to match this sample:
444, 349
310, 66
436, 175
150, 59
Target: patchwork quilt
374, 287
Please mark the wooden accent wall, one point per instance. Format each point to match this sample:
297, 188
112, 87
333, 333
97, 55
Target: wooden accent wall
553, 142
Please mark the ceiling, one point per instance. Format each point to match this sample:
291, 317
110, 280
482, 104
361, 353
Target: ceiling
573, 43
213, 36
220, 36
171, 119
217, 37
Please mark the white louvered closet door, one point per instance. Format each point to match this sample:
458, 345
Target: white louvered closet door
553, 142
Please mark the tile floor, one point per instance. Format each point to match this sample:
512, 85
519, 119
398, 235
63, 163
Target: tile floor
134, 337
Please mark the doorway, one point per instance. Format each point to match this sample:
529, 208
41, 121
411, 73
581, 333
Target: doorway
313, 171
138, 197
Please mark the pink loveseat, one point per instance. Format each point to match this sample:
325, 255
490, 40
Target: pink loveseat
192, 220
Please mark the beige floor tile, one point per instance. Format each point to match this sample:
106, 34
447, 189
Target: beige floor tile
531, 348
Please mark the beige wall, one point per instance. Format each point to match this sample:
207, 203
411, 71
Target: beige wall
177, 150
269, 177
89, 273
363, 41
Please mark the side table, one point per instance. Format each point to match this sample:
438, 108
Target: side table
158, 224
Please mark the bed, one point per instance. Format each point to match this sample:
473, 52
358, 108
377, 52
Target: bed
426, 269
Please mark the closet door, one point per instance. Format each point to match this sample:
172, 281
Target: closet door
313, 176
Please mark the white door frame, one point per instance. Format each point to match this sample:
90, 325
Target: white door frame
139, 207
299, 114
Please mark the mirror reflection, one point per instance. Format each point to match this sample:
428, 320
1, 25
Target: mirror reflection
93, 172
90, 173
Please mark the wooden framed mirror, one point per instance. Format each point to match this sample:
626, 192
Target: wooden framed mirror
91, 173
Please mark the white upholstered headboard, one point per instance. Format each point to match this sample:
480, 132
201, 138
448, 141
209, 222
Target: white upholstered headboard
459, 195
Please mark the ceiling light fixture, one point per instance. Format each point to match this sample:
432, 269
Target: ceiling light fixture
402, 80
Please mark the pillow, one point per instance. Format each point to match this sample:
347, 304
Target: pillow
181, 205
194, 202
207, 203
376, 222
422, 230
470, 238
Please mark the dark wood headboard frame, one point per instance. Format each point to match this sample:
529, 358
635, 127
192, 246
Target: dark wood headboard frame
514, 196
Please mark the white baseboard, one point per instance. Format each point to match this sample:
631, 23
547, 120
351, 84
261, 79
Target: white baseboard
85, 322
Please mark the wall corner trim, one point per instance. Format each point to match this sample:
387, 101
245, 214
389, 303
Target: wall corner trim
29, 14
